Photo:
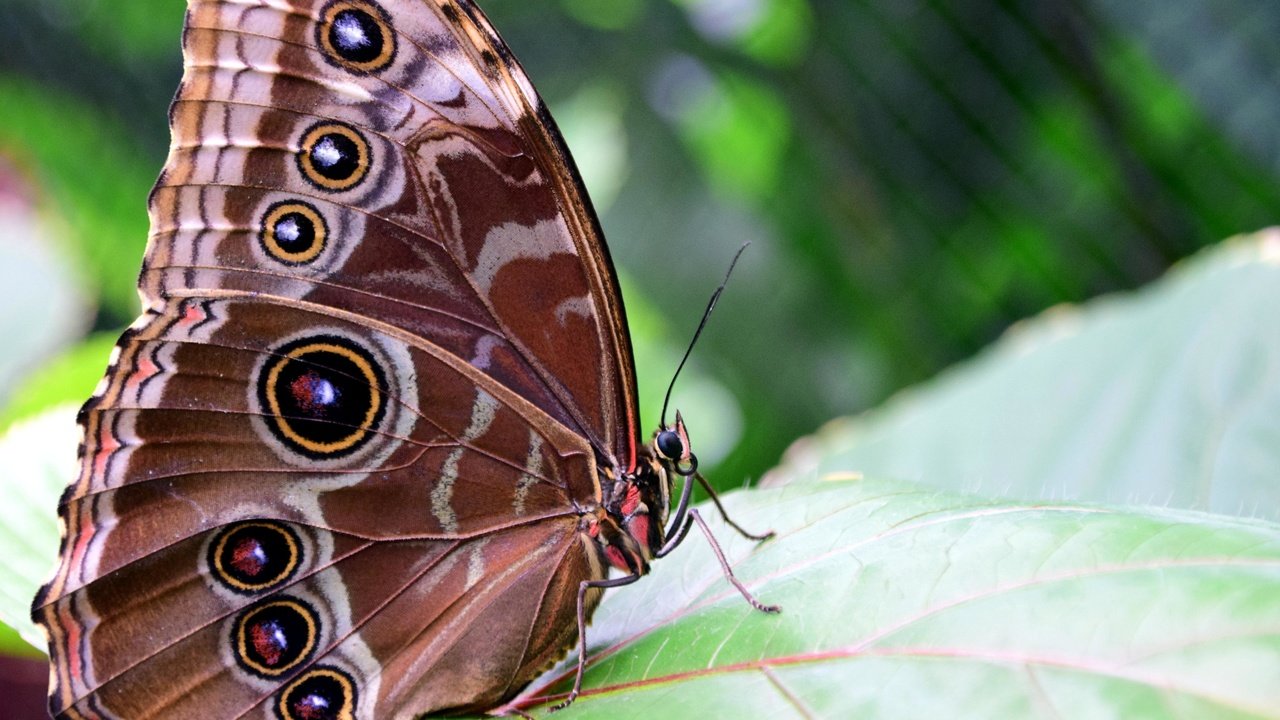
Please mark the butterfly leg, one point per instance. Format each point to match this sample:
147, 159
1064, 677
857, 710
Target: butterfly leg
678, 537
582, 630
679, 518
715, 498
728, 571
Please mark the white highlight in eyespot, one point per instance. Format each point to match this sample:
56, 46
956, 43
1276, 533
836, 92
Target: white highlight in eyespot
326, 152
350, 33
287, 230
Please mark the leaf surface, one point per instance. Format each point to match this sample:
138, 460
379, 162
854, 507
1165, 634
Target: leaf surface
903, 602
1166, 396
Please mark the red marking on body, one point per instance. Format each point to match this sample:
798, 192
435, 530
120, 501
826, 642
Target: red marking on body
631, 501
616, 558
268, 642
638, 528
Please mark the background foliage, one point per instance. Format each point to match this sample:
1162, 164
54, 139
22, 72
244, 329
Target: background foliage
915, 177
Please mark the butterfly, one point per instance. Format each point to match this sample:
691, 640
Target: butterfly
371, 451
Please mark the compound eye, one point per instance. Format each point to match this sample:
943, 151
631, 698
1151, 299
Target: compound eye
669, 445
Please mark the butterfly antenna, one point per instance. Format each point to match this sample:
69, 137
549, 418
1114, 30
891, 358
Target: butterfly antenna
706, 314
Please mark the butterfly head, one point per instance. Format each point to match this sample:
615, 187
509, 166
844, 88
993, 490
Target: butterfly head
671, 447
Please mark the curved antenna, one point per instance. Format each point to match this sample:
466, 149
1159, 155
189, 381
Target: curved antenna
706, 314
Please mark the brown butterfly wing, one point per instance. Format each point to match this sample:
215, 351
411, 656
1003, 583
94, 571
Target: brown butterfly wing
383, 351
467, 225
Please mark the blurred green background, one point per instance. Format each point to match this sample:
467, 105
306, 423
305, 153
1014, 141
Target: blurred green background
914, 175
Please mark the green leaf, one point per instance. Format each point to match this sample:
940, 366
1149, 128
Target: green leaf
68, 379
739, 130
38, 457
14, 645
124, 31
105, 213
42, 303
1166, 396
907, 602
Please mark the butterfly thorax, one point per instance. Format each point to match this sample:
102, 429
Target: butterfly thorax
627, 526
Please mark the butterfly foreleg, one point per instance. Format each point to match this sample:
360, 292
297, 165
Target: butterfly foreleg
728, 571
683, 519
715, 498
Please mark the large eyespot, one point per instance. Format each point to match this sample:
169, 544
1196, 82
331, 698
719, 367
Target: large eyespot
255, 557
324, 395
323, 693
334, 156
356, 35
274, 637
294, 233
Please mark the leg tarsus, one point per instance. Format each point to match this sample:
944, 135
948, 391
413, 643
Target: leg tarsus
728, 571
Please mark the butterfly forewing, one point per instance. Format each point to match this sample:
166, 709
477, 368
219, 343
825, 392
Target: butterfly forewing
336, 469
457, 219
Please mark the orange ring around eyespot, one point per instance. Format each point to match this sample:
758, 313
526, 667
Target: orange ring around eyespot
228, 579
337, 446
334, 55
271, 243
347, 687
313, 175
242, 649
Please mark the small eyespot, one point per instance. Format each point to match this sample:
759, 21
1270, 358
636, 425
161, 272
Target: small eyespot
334, 157
254, 557
293, 232
323, 693
324, 395
274, 637
356, 35
669, 445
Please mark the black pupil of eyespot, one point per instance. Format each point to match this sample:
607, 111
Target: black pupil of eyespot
669, 445
317, 698
335, 156
324, 396
295, 232
255, 555
277, 636
356, 36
